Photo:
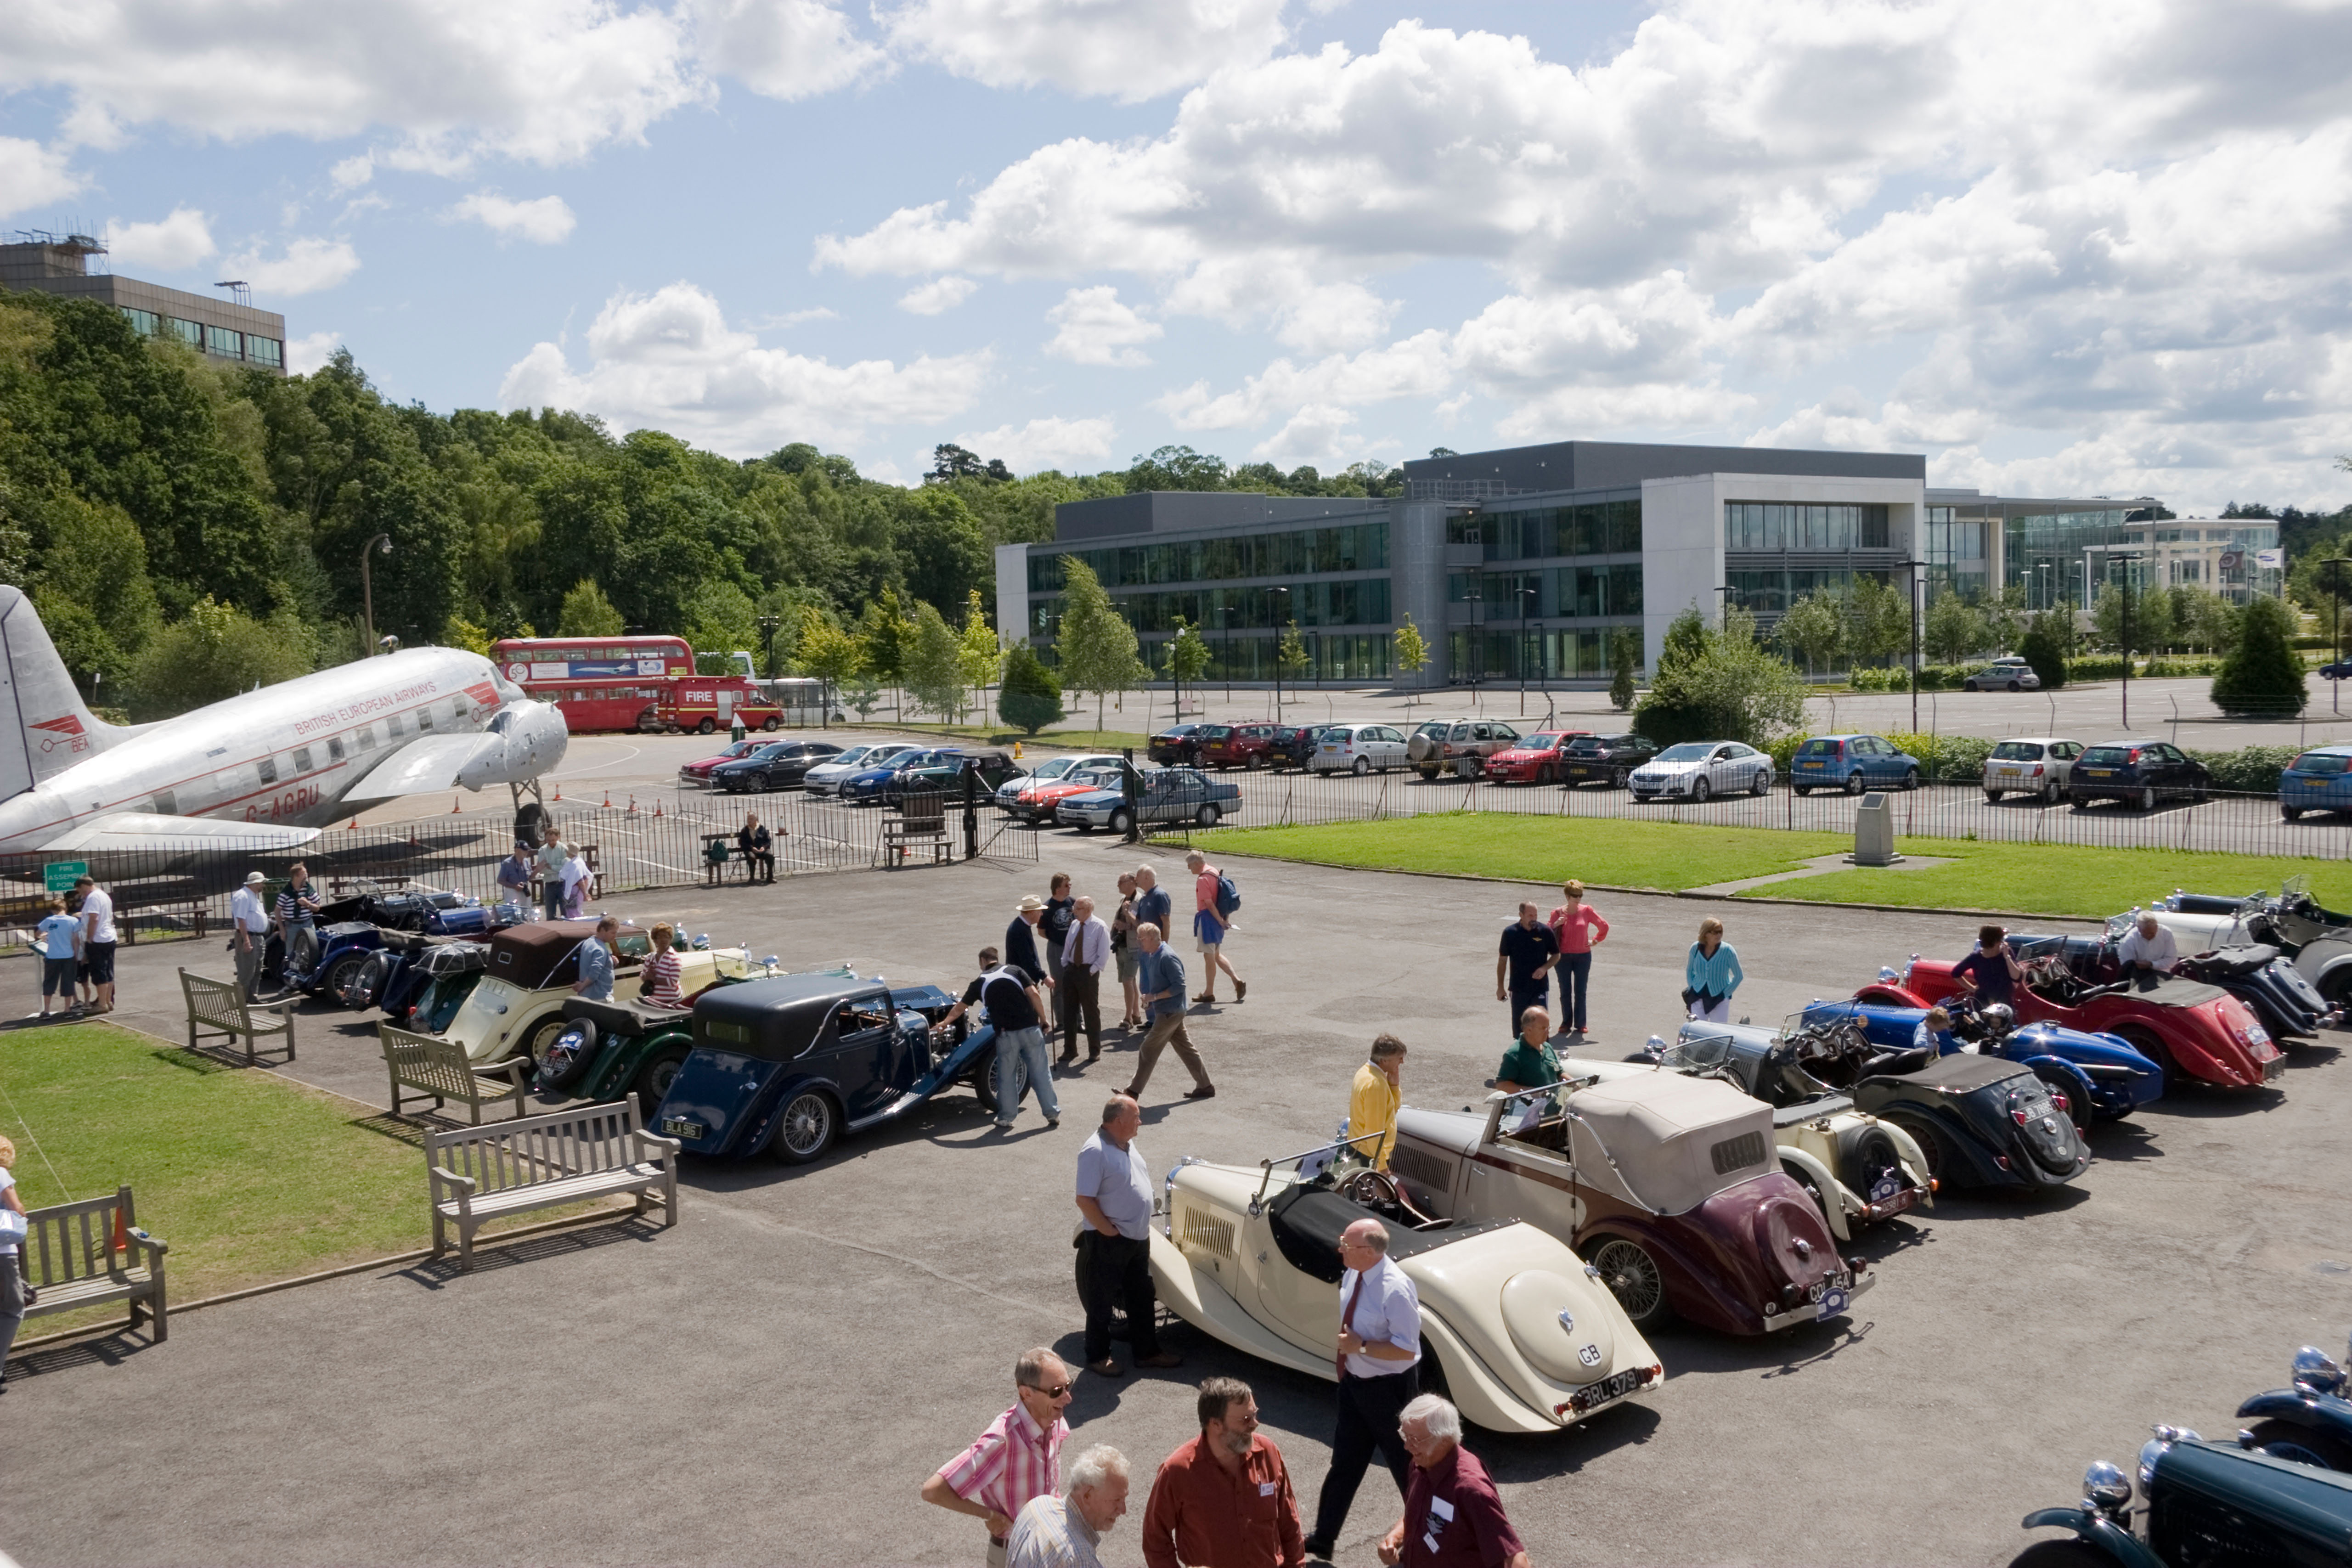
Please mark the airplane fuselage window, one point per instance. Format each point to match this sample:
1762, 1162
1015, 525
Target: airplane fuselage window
301, 759
366, 733
270, 770
335, 748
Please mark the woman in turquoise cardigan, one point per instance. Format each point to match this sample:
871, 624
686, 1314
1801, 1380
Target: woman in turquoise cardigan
1711, 974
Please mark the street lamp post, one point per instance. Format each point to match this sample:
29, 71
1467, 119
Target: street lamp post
1278, 653
2335, 629
380, 544
1524, 617
1913, 568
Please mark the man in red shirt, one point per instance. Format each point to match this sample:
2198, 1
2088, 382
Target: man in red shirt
1224, 1498
1452, 1514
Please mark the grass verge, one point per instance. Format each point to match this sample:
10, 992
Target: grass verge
1610, 851
251, 1177
2034, 878
2059, 878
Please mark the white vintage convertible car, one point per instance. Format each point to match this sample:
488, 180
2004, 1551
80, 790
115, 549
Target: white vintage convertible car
1516, 1330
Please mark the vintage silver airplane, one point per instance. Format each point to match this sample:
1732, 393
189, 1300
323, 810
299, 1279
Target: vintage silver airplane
263, 770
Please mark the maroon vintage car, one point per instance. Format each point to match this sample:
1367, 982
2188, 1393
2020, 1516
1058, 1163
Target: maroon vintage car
1671, 1188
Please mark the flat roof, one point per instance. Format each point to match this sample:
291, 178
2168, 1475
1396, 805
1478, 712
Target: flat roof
1624, 465
1172, 512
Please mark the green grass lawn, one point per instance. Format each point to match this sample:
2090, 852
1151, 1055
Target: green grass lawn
2039, 878
1602, 850
251, 1177
2059, 878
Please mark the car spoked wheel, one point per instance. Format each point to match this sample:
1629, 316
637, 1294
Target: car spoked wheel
2303, 1446
656, 1076
1931, 1144
1633, 1278
343, 976
807, 1128
365, 986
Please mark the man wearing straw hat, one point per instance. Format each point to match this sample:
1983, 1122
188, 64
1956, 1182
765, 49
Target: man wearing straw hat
249, 919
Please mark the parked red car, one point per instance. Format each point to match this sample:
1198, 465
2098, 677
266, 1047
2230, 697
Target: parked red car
699, 773
2187, 1028
1533, 759
1238, 746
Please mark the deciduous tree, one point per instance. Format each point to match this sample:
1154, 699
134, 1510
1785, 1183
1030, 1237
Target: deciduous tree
1095, 647
587, 613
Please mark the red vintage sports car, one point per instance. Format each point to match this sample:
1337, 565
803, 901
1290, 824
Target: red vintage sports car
2187, 1028
1533, 759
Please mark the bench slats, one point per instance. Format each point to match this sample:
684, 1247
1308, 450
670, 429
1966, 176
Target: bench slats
540, 1162
438, 1068
218, 1007
69, 1257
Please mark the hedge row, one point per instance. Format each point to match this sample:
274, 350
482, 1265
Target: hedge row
2107, 667
1961, 758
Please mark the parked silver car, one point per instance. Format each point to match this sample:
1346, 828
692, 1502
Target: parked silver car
1697, 769
2008, 673
2030, 765
1357, 749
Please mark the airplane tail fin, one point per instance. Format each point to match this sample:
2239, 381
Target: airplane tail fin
45, 728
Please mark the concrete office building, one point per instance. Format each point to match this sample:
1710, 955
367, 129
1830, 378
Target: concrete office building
2060, 552
1533, 558
225, 332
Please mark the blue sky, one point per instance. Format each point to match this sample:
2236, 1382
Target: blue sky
1068, 231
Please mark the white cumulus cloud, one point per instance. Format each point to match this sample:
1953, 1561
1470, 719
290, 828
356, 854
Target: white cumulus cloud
669, 361
304, 267
1091, 327
1128, 49
311, 349
1048, 443
543, 220
182, 238
937, 297
32, 175
783, 49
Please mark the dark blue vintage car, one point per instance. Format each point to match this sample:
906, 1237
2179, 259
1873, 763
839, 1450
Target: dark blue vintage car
2207, 1504
2101, 1071
785, 1066
2310, 1421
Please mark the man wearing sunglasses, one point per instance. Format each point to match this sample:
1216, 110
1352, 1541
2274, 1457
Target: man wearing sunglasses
1018, 1458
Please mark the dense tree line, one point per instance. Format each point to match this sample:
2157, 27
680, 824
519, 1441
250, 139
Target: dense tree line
187, 528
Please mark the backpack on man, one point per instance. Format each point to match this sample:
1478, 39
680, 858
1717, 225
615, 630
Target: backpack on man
1229, 897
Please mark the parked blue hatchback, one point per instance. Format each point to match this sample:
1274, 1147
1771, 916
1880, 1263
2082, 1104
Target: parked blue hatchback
1852, 763
2319, 780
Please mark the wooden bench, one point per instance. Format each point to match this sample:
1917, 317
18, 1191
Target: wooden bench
217, 1008
481, 1173
922, 819
438, 1068
89, 1254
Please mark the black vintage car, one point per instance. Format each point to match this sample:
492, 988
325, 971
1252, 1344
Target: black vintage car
779, 764
1983, 1122
785, 1066
1605, 759
2208, 1505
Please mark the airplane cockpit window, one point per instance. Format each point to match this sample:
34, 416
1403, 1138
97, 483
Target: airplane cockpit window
500, 722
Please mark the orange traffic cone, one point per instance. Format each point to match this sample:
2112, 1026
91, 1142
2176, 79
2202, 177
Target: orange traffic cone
657, 808
121, 1237
355, 822
453, 806
633, 804
558, 794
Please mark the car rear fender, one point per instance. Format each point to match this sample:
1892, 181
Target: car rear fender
2097, 1532
1817, 1171
620, 1056
2045, 1066
1703, 1277
2200, 1046
1206, 1304
1474, 1387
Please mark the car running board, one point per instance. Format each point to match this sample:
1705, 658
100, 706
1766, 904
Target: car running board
903, 1102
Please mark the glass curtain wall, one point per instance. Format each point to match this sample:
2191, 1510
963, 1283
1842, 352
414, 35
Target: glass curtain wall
2044, 554
1353, 547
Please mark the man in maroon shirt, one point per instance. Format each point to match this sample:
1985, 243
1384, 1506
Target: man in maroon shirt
1224, 1498
1452, 1514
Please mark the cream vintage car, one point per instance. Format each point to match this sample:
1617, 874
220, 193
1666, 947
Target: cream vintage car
517, 1008
1858, 1168
1516, 1330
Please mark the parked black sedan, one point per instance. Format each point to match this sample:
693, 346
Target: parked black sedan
942, 771
1177, 743
779, 764
2140, 773
1604, 759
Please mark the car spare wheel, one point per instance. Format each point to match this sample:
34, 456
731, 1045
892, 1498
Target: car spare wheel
542, 1036
655, 1077
806, 1129
1633, 1277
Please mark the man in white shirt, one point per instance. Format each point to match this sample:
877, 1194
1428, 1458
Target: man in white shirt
97, 940
1066, 1532
2146, 950
1114, 1193
248, 919
1085, 953
1379, 1354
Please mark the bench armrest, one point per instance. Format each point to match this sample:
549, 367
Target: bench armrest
657, 1142
154, 1247
467, 1185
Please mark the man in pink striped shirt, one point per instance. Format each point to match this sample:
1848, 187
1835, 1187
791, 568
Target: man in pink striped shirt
1018, 1458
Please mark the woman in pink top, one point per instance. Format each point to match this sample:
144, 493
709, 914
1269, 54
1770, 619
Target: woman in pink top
1579, 929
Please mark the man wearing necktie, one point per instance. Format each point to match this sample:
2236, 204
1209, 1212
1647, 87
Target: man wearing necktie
1380, 1347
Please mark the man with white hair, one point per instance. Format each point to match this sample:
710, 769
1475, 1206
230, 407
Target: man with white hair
1067, 1532
2146, 950
1379, 1351
1452, 1516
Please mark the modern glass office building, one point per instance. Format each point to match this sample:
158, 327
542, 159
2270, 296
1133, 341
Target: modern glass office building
2058, 552
1529, 561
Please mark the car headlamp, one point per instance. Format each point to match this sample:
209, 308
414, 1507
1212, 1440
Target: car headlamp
2315, 1371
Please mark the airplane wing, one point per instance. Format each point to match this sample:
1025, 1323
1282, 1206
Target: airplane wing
146, 830
427, 766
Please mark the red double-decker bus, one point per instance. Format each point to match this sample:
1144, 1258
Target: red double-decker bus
596, 683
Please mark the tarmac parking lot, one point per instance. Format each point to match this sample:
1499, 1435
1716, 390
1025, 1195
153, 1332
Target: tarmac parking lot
772, 1379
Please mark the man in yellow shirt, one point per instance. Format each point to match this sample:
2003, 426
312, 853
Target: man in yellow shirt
1372, 1102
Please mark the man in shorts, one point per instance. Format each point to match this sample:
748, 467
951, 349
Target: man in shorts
1211, 926
59, 938
97, 941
